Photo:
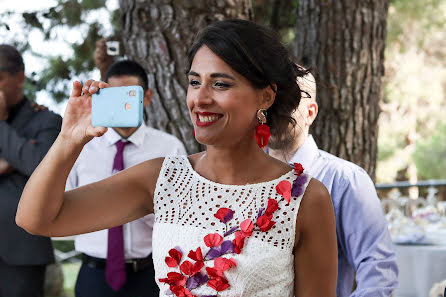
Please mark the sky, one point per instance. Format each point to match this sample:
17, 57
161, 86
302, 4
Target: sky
56, 46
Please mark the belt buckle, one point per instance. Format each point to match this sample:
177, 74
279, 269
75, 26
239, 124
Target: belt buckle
135, 265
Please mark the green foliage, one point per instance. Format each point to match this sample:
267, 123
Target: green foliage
66, 16
430, 154
409, 17
70, 272
414, 100
279, 15
63, 245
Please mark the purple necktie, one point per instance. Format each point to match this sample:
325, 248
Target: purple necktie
115, 264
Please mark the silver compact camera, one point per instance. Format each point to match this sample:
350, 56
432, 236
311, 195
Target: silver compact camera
112, 48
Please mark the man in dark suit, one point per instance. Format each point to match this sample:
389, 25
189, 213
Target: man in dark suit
25, 137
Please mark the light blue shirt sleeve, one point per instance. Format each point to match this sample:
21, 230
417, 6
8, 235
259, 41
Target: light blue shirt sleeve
364, 243
365, 239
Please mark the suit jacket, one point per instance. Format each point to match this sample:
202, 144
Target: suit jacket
23, 143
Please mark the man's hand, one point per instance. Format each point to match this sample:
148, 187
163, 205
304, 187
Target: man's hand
101, 59
5, 168
3, 107
38, 107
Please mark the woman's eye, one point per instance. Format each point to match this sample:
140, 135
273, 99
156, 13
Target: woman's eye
194, 83
221, 85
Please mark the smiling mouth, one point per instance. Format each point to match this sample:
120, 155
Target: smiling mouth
207, 119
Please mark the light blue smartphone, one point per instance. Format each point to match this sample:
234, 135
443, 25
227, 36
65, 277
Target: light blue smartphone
117, 107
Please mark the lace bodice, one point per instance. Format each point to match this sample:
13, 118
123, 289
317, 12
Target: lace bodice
185, 204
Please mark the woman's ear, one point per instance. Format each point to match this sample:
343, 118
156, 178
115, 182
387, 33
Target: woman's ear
268, 96
147, 97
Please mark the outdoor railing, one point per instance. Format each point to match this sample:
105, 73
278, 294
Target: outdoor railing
409, 196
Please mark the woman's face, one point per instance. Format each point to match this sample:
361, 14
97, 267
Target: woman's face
222, 103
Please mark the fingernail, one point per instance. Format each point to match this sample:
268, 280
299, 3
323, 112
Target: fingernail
93, 89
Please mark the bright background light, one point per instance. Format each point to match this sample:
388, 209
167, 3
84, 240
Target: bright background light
58, 45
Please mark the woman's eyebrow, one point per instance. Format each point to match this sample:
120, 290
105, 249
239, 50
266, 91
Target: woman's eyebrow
224, 75
193, 73
213, 75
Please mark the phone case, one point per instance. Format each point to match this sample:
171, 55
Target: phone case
117, 107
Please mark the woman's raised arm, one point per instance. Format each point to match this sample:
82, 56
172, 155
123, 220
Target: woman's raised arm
46, 209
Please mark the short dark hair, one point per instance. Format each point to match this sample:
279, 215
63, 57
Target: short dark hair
128, 67
11, 60
255, 52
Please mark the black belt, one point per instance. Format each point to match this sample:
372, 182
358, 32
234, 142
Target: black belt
133, 265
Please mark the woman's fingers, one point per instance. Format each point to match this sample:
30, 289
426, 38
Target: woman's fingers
103, 85
92, 86
87, 85
77, 89
96, 131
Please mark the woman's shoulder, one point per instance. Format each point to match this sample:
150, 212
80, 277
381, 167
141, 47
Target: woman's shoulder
316, 203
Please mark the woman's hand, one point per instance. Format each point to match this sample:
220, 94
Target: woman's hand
76, 125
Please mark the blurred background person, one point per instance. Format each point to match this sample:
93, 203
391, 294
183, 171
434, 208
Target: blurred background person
26, 134
130, 245
364, 243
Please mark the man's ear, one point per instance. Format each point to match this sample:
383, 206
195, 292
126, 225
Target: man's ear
313, 109
147, 97
268, 96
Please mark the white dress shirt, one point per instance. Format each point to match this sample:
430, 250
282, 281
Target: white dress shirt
96, 162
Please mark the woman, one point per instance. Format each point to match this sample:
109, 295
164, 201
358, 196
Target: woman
229, 221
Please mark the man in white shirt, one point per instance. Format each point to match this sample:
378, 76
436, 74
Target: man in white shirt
364, 246
96, 162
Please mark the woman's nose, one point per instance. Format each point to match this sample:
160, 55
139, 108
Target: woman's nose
202, 97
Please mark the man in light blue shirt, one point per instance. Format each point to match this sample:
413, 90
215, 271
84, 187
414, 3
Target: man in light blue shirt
364, 244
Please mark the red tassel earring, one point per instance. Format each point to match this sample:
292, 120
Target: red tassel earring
262, 130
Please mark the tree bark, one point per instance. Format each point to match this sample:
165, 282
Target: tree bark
344, 41
157, 34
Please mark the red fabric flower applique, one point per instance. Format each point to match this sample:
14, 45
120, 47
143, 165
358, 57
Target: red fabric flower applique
217, 282
174, 259
298, 168
272, 207
284, 188
181, 291
224, 214
191, 269
213, 239
174, 279
223, 264
238, 242
264, 222
196, 255
246, 227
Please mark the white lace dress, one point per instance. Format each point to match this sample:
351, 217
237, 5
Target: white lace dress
185, 204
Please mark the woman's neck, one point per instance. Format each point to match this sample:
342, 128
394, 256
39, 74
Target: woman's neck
238, 166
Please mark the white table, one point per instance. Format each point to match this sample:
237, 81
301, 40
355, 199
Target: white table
420, 266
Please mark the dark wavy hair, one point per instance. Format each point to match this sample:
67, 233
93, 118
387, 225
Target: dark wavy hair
256, 52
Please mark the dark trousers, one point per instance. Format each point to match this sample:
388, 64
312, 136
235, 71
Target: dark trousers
21, 280
91, 283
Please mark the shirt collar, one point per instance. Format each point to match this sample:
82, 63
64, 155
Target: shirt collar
307, 153
137, 138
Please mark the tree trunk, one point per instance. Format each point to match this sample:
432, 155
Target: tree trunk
157, 34
344, 41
